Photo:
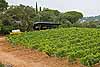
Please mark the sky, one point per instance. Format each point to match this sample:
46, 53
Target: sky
87, 7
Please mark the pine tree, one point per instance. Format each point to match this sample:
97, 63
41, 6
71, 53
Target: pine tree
40, 8
36, 7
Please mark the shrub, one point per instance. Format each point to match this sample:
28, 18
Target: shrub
6, 29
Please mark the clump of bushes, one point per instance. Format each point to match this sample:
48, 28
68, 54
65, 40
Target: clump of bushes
6, 29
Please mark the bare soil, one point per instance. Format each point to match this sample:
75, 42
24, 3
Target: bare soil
21, 57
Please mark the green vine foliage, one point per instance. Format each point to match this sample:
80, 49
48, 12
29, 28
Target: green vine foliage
70, 43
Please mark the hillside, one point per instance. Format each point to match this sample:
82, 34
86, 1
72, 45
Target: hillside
70, 43
92, 18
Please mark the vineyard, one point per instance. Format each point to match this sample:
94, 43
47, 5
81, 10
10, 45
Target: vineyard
69, 43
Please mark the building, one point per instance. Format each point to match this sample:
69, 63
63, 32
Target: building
44, 25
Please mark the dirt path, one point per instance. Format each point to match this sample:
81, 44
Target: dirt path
21, 57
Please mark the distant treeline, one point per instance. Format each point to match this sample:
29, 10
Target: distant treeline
22, 17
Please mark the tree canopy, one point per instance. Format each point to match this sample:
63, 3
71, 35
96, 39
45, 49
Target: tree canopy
3, 5
49, 15
22, 17
73, 16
